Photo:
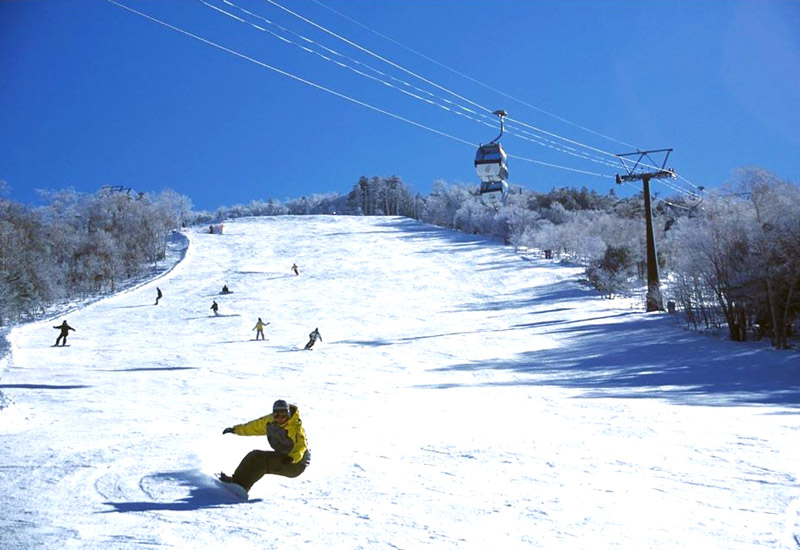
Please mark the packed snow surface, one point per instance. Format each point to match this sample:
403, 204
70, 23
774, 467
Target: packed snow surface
462, 396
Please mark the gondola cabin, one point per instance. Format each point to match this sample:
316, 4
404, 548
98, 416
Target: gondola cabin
491, 163
494, 187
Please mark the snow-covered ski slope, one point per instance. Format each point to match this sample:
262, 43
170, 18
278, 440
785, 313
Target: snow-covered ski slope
461, 397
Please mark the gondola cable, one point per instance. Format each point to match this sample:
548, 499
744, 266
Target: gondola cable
365, 50
288, 74
519, 133
535, 138
488, 86
339, 54
475, 80
315, 85
322, 56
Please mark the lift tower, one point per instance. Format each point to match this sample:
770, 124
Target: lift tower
654, 300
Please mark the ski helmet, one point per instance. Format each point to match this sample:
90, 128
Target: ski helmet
280, 406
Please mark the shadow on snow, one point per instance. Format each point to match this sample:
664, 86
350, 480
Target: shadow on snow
147, 369
212, 316
204, 492
42, 387
630, 359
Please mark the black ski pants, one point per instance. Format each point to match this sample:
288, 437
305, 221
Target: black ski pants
256, 464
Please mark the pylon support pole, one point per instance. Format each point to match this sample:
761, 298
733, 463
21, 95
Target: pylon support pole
654, 300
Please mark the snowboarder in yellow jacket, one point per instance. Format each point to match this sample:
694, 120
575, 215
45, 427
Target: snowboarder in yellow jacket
290, 455
259, 328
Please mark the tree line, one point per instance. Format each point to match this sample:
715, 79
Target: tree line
80, 245
730, 260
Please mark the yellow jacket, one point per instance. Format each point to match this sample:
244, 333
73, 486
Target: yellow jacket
289, 439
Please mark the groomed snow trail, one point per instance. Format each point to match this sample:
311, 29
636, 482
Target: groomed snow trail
461, 397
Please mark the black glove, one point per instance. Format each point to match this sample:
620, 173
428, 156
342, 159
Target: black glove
288, 460
227, 431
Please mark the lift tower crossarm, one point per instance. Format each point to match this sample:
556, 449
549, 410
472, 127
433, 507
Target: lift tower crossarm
660, 174
642, 156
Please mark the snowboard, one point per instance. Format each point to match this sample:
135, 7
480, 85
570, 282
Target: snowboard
237, 490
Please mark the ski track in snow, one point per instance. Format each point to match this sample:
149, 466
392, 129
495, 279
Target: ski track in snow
461, 397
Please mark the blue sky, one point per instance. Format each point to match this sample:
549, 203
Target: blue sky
92, 94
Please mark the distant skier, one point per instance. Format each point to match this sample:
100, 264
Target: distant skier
259, 328
295, 269
215, 307
65, 328
225, 289
313, 337
158, 295
285, 434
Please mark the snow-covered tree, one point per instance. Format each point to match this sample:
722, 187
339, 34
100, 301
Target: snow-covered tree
742, 250
79, 244
611, 273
